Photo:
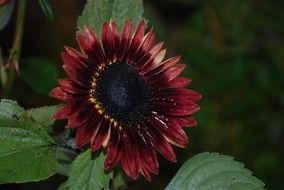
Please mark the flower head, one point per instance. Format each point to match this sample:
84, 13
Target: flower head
122, 95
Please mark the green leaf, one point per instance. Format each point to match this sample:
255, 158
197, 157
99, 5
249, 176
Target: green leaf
120, 180
207, 171
43, 116
63, 186
40, 74
6, 11
98, 11
127, 9
94, 14
87, 173
10, 109
46, 8
64, 158
27, 152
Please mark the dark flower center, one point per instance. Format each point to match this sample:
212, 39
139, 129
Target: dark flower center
124, 93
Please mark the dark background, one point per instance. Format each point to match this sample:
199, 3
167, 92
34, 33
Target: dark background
234, 51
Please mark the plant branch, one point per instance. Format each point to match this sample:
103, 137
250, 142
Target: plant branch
16, 49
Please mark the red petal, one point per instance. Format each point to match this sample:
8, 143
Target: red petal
71, 87
147, 43
85, 46
115, 36
60, 94
83, 114
179, 82
83, 135
148, 57
163, 66
113, 150
108, 41
79, 74
176, 109
146, 173
75, 56
75, 59
186, 121
162, 144
136, 42
178, 92
182, 104
170, 129
86, 132
125, 40
65, 111
166, 76
157, 59
129, 157
147, 153
98, 55
101, 135
91, 61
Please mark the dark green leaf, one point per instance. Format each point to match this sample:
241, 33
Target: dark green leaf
27, 152
40, 74
94, 14
10, 109
87, 173
98, 11
127, 9
6, 11
43, 116
214, 171
46, 8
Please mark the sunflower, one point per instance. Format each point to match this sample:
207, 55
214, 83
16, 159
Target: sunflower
123, 96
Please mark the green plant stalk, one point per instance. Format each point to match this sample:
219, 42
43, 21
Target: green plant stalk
16, 49
3, 76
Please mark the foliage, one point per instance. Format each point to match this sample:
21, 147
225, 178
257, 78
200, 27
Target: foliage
6, 11
87, 173
44, 79
46, 8
27, 152
214, 171
96, 12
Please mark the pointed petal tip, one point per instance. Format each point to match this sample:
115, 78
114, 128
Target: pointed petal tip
147, 176
62, 113
88, 28
67, 48
55, 92
142, 23
111, 21
128, 21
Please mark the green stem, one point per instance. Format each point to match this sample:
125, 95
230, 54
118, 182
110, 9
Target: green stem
16, 49
3, 75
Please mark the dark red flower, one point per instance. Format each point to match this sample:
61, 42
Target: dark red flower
121, 95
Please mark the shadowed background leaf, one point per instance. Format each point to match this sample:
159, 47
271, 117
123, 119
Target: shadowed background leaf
46, 8
40, 74
6, 11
